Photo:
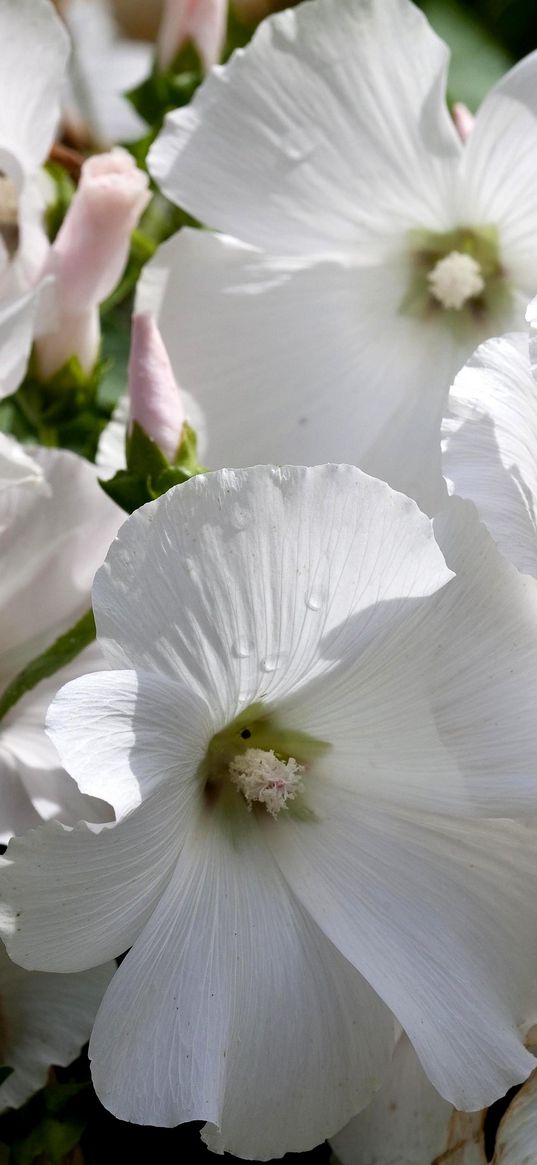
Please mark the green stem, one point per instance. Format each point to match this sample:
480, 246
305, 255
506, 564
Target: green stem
60, 653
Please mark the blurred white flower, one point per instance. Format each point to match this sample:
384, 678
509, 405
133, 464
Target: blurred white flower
34, 57
490, 444
55, 528
308, 615
104, 66
408, 1123
89, 255
372, 248
44, 1020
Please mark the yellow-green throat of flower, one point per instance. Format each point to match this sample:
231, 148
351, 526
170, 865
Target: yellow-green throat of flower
257, 764
458, 275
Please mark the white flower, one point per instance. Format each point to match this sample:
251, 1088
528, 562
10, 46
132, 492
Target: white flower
408, 1123
490, 444
55, 528
320, 330
309, 614
34, 57
104, 66
44, 1020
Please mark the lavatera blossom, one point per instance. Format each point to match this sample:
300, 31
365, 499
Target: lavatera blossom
308, 725
55, 528
35, 48
366, 249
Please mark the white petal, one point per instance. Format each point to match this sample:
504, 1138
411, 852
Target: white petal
124, 736
33, 786
444, 927
98, 885
326, 369
484, 681
17, 467
490, 444
233, 1008
103, 68
499, 175
35, 48
407, 1123
55, 541
330, 130
45, 1020
256, 570
17, 321
517, 1135
111, 449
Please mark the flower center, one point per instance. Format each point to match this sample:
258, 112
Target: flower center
456, 279
459, 274
9, 215
258, 763
261, 776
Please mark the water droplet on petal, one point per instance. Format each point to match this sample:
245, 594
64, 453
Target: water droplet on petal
242, 648
315, 601
271, 662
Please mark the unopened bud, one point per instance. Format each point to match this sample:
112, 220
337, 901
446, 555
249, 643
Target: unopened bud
202, 21
463, 119
89, 254
155, 399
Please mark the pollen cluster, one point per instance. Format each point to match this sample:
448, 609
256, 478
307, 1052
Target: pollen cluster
260, 776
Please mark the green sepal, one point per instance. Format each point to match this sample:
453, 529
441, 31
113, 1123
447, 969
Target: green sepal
5, 1072
64, 411
144, 457
60, 653
49, 1125
149, 474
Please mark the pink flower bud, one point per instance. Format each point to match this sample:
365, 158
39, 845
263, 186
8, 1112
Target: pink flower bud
464, 120
89, 254
155, 399
201, 21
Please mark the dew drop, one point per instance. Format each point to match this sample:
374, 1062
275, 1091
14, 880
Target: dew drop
315, 601
270, 663
242, 649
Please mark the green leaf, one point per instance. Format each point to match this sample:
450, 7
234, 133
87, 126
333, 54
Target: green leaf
64, 411
477, 60
64, 189
61, 652
4, 1073
169, 89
